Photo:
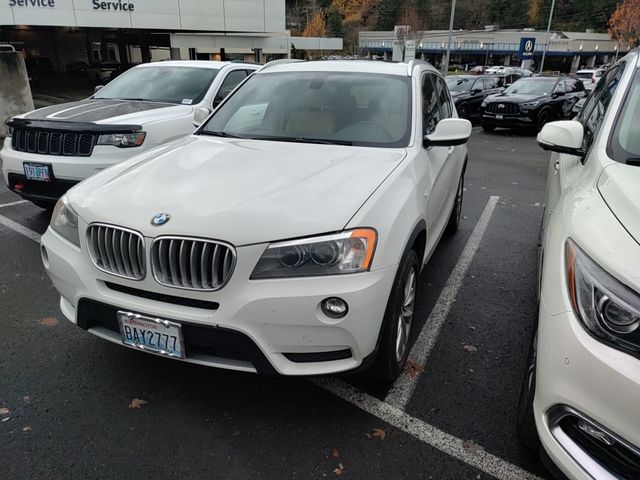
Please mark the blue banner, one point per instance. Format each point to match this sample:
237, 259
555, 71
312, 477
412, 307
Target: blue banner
527, 46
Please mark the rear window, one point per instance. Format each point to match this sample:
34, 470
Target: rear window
585, 75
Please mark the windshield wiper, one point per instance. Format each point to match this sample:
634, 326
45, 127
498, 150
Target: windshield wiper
220, 134
321, 141
633, 161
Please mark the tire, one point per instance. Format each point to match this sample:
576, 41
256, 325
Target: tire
543, 118
456, 211
463, 111
525, 420
488, 128
398, 318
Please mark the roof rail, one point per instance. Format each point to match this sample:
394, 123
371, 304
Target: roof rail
280, 61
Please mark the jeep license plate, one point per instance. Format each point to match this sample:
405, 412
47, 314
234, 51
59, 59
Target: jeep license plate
37, 171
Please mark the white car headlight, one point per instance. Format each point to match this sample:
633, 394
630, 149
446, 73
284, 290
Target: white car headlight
123, 140
346, 252
608, 309
64, 222
9, 128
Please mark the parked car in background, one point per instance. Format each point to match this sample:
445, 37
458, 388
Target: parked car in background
285, 236
581, 391
590, 77
532, 102
469, 91
578, 106
51, 149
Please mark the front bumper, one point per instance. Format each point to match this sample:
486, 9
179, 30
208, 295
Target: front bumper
278, 322
507, 121
67, 171
582, 381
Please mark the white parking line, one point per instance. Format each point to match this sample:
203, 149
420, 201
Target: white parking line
16, 227
403, 388
19, 202
467, 452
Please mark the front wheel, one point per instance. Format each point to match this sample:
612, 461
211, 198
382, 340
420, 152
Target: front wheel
463, 111
456, 212
398, 318
543, 118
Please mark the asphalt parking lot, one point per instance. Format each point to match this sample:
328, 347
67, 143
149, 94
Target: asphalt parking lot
66, 397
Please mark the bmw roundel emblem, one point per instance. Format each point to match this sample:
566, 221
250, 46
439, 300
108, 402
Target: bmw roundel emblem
160, 219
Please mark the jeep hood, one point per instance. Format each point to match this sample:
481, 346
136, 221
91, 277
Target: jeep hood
619, 186
109, 111
240, 191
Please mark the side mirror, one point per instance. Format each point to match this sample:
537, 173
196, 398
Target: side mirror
200, 115
476, 91
556, 94
449, 132
564, 136
98, 88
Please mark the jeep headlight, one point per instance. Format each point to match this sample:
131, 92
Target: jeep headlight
346, 252
122, 140
608, 309
64, 222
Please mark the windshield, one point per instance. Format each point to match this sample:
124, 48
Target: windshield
459, 84
318, 107
185, 85
532, 87
625, 140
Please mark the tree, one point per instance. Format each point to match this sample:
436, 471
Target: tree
624, 24
317, 26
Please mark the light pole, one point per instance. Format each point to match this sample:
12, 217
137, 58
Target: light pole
546, 45
445, 64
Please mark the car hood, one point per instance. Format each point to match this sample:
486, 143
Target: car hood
618, 184
515, 98
240, 191
109, 111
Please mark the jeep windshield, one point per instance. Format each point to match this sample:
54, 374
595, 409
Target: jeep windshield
459, 84
532, 86
183, 85
318, 107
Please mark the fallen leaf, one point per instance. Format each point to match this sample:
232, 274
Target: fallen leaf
26, 429
471, 446
136, 403
48, 322
379, 433
4, 411
6, 419
335, 453
338, 471
470, 348
413, 368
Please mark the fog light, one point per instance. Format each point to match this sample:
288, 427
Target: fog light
334, 307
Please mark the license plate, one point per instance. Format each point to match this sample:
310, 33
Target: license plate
499, 117
37, 171
151, 334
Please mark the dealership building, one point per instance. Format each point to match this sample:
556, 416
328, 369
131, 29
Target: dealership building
68, 32
565, 51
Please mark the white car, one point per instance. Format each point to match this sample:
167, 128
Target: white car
286, 235
590, 77
53, 148
581, 393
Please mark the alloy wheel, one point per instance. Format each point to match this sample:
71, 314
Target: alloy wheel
405, 317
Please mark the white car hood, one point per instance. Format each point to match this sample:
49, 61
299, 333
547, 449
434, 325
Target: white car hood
619, 185
240, 191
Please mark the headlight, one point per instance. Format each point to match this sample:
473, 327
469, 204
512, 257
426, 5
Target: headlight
608, 309
64, 222
123, 140
345, 252
9, 128
483, 105
529, 104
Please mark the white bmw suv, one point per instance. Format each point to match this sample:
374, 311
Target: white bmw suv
286, 235
581, 395
53, 148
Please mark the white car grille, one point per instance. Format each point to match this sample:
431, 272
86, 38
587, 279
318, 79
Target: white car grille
117, 250
192, 264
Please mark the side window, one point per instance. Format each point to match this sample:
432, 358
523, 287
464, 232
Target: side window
444, 99
489, 83
231, 81
570, 85
594, 110
429, 104
478, 85
560, 88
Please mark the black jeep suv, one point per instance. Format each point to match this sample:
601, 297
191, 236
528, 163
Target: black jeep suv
532, 102
469, 91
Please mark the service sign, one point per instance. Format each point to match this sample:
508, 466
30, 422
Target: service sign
527, 47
